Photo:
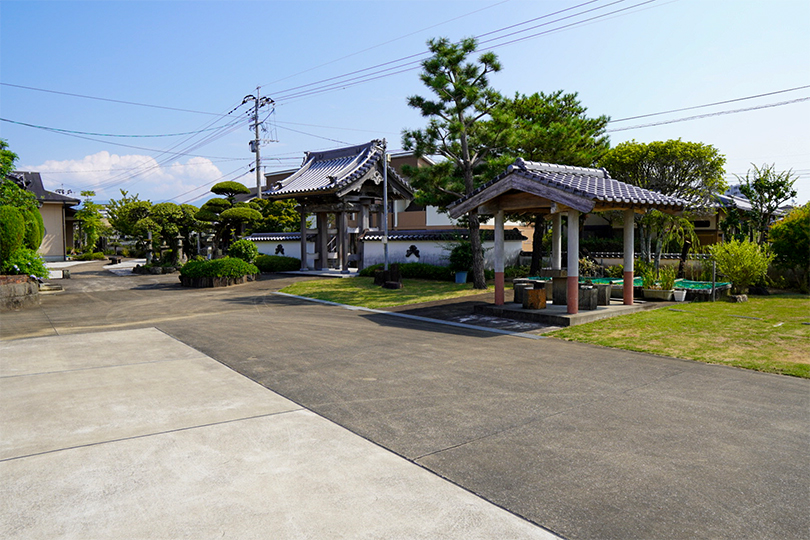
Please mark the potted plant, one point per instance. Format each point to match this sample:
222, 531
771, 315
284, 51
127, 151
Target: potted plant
461, 259
659, 286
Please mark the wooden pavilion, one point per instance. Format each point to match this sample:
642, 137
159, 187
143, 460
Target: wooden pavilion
543, 188
348, 184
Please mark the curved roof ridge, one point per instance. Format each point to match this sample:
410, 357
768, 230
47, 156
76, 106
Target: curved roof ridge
539, 166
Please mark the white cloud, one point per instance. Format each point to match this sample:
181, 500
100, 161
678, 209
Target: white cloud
107, 173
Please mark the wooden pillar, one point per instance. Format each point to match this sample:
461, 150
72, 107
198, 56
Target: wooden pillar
573, 262
304, 267
556, 241
343, 241
321, 241
627, 288
362, 226
499, 281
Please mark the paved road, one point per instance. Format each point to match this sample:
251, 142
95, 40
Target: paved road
591, 443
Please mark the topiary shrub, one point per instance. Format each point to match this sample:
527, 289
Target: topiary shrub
24, 261
244, 249
12, 231
227, 267
277, 263
34, 228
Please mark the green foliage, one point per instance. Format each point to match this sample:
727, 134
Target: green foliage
244, 249
89, 217
34, 229
790, 242
512, 272
7, 159
277, 216
241, 214
588, 267
463, 127
554, 128
743, 263
615, 271
689, 170
89, 256
277, 263
736, 224
667, 276
24, 261
461, 257
414, 270
229, 267
12, 230
230, 190
766, 190
13, 195
123, 214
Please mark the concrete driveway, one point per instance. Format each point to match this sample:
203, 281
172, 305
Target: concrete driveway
591, 443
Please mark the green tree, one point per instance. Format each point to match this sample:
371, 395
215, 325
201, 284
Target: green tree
553, 128
458, 129
689, 170
277, 216
743, 263
790, 242
226, 217
12, 231
7, 159
766, 189
91, 225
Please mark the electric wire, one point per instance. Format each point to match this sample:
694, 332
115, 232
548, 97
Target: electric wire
60, 130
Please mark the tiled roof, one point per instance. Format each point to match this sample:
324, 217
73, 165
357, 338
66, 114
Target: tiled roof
445, 235
331, 171
32, 181
593, 184
278, 237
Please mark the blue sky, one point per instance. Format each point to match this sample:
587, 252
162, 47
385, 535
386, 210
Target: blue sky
206, 56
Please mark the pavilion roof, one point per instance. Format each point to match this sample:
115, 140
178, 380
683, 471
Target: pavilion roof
338, 172
581, 188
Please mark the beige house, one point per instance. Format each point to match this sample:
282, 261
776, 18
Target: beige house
57, 213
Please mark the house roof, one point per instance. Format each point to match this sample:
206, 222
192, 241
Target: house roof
32, 182
443, 235
338, 172
564, 184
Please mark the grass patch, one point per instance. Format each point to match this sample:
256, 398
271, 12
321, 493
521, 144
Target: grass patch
765, 334
361, 291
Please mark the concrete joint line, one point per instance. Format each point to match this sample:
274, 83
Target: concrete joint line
415, 317
92, 368
156, 433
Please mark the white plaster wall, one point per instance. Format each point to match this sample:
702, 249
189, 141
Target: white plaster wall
53, 244
433, 252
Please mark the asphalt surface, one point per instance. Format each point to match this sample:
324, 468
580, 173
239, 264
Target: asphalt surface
587, 442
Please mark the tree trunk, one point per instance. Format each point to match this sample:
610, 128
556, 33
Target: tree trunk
479, 280
684, 253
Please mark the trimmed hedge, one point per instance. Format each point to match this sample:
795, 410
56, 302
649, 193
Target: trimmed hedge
423, 271
97, 256
228, 267
414, 271
277, 263
12, 230
244, 249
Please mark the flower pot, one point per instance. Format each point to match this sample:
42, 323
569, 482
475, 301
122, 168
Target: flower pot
461, 277
658, 294
680, 295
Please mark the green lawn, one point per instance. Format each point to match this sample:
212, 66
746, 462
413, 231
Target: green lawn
766, 333
361, 291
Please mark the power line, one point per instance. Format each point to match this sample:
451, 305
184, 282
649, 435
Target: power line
709, 115
108, 99
71, 131
710, 104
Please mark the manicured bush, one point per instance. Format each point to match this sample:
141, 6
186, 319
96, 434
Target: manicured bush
34, 228
461, 257
743, 263
97, 256
229, 267
790, 241
277, 263
244, 249
12, 231
24, 261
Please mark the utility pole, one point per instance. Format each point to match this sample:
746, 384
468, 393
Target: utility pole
256, 143
385, 205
